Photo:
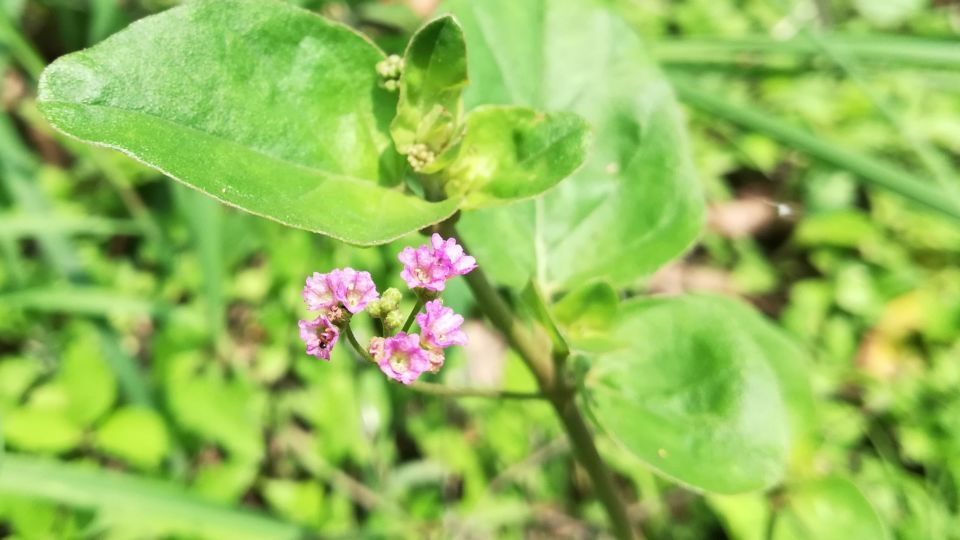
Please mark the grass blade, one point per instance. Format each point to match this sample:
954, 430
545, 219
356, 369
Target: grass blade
78, 301
871, 170
203, 216
902, 51
17, 226
147, 506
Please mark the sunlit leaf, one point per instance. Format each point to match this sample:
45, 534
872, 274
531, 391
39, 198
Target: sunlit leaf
264, 106
693, 393
636, 202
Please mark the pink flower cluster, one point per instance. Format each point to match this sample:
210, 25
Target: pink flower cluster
329, 294
429, 267
402, 356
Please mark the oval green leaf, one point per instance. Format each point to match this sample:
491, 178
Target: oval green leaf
829, 508
136, 435
261, 105
693, 394
636, 203
510, 153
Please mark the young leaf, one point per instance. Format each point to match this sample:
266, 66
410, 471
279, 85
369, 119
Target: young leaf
636, 203
262, 105
431, 87
586, 314
693, 393
828, 508
510, 153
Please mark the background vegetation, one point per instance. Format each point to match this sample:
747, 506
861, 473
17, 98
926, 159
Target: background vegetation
146, 329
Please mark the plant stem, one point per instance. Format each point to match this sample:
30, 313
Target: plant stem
539, 360
356, 345
456, 392
413, 315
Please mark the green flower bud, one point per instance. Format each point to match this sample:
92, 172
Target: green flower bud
375, 309
390, 70
392, 322
419, 156
390, 300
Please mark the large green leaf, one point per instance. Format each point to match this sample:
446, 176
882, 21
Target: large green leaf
262, 105
636, 202
828, 508
692, 392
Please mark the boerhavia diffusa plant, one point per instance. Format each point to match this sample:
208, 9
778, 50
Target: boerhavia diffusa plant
342, 293
557, 158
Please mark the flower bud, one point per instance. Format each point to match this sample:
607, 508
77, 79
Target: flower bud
375, 309
393, 321
390, 70
419, 156
390, 300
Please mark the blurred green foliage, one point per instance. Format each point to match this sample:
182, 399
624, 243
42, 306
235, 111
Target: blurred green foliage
145, 329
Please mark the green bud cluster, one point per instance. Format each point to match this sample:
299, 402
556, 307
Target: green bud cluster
390, 69
387, 308
419, 156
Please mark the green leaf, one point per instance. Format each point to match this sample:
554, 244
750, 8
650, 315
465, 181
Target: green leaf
586, 315
226, 411
16, 376
431, 87
298, 501
694, 394
510, 153
636, 202
224, 482
87, 380
828, 508
590, 308
135, 435
262, 105
40, 430
152, 508
744, 517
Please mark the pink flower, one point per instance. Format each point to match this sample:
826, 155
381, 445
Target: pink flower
347, 287
429, 267
318, 294
422, 269
400, 357
320, 336
440, 326
353, 289
452, 254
